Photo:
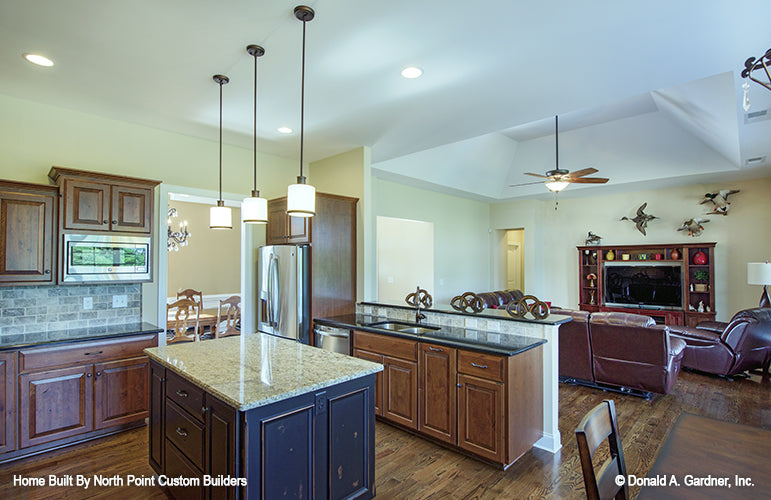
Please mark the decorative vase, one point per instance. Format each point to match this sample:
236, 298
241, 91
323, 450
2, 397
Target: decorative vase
700, 258
610, 255
674, 254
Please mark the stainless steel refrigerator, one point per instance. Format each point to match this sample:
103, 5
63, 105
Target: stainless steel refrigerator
283, 284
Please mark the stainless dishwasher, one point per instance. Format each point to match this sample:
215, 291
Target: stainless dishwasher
333, 339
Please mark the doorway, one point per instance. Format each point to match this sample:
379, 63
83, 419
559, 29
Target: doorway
515, 259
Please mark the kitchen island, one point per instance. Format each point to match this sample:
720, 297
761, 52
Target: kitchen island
261, 417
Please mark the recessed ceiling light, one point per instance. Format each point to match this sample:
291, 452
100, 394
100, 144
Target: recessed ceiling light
39, 60
412, 72
285, 130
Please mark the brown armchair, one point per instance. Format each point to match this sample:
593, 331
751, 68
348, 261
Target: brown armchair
575, 347
730, 348
631, 351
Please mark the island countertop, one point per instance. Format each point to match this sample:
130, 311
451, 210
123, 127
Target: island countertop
253, 370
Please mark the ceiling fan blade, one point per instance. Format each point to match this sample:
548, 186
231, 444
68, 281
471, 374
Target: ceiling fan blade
589, 180
536, 175
583, 172
525, 184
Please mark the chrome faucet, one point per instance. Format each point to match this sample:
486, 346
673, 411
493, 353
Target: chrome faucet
418, 315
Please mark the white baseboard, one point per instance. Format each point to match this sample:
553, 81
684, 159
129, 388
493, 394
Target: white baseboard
209, 301
549, 442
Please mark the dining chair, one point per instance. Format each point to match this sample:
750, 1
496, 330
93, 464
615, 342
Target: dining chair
228, 317
191, 294
182, 316
597, 425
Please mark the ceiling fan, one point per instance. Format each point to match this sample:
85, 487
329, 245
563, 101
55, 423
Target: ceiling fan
558, 179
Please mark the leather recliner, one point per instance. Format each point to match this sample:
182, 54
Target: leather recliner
633, 352
730, 348
575, 347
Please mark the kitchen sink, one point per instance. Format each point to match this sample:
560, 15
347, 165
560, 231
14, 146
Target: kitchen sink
399, 326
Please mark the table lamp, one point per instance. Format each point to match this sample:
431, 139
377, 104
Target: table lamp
759, 273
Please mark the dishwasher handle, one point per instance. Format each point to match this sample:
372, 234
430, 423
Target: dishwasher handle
322, 333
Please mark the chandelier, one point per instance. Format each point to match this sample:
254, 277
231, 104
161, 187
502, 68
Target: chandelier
176, 238
750, 65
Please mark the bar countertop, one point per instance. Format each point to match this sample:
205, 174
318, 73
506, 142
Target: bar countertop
475, 339
253, 370
10, 342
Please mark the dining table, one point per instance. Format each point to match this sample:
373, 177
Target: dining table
206, 320
708, 458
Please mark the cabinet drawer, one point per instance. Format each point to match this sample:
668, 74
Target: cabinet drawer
383, 344
184, 394
178, 466
185, 433
81, 353
482, 365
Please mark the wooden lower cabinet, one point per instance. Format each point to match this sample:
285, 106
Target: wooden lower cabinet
375, 358
488, 405
7, 401
121, 391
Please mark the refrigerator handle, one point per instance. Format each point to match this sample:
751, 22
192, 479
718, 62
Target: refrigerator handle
274, 288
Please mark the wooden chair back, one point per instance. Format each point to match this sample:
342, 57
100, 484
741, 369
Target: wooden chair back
228, 317
191, 294
597, 425
182, 316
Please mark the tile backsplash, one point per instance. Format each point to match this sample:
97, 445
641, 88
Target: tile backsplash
37, 309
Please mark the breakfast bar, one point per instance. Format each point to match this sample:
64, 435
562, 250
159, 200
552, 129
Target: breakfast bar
257, 416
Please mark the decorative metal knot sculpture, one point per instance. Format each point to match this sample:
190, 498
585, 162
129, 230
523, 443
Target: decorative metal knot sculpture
528, 304
468, 302
420, 296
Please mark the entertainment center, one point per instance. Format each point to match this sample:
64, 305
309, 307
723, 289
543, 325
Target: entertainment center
674, 284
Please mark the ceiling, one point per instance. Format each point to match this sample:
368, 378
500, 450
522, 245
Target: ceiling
646, 93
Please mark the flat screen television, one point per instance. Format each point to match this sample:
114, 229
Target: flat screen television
654, 285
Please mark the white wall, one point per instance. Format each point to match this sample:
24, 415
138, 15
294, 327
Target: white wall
402, 265
744, 235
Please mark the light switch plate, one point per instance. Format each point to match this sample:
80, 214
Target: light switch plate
88, 302
119, 301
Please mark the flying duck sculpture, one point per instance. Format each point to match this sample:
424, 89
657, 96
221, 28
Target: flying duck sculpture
719, 201
641, 220
693, 226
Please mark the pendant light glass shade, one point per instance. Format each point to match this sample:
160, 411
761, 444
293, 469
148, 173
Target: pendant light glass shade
254, 210
301, 197
220, 216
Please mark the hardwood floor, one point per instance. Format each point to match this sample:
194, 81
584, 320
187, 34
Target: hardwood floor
410, 467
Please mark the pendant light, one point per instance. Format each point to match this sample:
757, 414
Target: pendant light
219, 216
301, 197
254, 210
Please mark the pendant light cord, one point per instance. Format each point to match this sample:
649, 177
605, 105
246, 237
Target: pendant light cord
302, 105
255, 123
221, 140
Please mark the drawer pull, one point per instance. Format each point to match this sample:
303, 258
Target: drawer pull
182, 394
478, 366
182, 432
435, 349
92, 353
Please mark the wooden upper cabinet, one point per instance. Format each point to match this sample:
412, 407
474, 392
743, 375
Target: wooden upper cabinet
285, 230
99, 202
27, 233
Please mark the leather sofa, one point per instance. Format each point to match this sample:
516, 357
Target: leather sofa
727, 349
628, 353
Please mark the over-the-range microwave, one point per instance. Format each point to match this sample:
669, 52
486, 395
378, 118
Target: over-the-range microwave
99, 258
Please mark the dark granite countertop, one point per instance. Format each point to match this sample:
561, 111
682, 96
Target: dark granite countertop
476, 340
9, 342
500, 314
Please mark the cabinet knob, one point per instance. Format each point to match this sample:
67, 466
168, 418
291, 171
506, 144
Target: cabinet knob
105, 221
88, 375
47, 271
460, 385
98, 373
114, 222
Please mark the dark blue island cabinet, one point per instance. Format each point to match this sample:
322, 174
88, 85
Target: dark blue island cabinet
316, 445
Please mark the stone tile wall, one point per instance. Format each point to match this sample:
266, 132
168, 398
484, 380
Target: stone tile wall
27, 310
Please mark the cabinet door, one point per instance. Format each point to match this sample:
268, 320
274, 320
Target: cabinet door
222, 446
481, 417
27, 237
55, 404
121, 391
277, 219
7, 401
298, 230
157, 405
400, 391
375, 358
130, 209
86, 205
438, 392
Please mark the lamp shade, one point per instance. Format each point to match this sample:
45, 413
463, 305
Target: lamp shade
301, 200
220, 217
758, 273
254, 210
556, 186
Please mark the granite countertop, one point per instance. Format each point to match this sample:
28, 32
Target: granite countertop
252, 370
500, 314
9, 342
506, 344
